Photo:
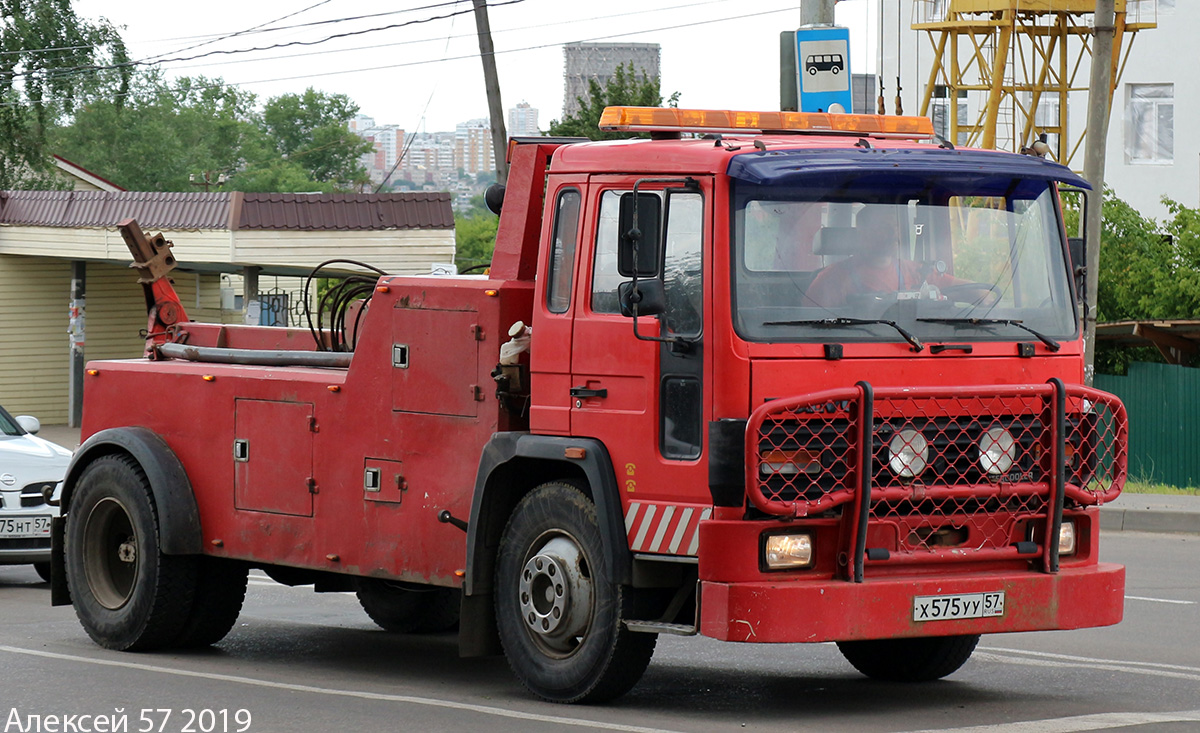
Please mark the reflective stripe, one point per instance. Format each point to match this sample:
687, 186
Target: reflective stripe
644, 527
656, 543
684, 521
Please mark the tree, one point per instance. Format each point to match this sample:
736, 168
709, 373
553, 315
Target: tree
474, 235
624, 89
48, 56
159, 135
310, 130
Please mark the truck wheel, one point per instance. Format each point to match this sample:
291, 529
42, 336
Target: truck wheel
558, 611
909, 660
127, 594
43, 570
220, 592
406, 611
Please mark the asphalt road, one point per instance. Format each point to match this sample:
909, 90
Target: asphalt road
298, 661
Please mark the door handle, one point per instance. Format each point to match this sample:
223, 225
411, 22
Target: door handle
585, 392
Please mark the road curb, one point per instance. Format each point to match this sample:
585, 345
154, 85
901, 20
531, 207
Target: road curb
1116, 519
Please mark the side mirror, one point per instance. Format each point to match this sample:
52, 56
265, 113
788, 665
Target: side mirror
1078, 199
1078, 251
645, 232
29, 424
649, 295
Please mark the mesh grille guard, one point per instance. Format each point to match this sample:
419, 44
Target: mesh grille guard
941, 474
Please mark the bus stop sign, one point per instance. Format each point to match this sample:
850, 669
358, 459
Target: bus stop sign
823, 70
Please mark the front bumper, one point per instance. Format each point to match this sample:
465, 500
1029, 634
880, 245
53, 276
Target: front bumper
882, 608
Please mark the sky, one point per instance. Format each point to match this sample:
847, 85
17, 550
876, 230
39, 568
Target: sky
415, 63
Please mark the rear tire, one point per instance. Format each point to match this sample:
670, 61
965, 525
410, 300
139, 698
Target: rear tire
921, 659
43, 570
128, 595
404, 610
220, 592
558, 610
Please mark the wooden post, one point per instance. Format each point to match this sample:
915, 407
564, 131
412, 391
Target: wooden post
1099, 101
487, 54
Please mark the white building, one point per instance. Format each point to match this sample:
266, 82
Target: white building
523, 121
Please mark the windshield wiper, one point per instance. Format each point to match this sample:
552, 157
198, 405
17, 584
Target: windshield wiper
826, 322
1049, 342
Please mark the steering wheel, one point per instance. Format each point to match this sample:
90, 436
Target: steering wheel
983, 289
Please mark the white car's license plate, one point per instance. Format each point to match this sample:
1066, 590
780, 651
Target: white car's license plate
19, 527
961, 605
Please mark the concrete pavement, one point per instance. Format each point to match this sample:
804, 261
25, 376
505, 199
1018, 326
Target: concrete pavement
1130, 512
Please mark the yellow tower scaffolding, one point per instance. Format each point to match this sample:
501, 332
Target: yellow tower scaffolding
1020, 59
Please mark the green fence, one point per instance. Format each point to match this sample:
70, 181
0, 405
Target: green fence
1163, 403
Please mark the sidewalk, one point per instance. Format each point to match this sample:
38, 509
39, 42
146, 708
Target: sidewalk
1130, 512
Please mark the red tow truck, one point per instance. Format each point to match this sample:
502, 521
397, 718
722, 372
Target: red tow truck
683, 439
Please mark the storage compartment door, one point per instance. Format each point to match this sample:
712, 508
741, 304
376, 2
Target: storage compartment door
273, 457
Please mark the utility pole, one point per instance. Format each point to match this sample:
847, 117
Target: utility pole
816, 12
1099, 101
487, 54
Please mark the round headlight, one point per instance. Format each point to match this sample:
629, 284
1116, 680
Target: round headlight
908, 453
997, 451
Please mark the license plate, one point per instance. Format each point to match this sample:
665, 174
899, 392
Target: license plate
961, 605
18, 527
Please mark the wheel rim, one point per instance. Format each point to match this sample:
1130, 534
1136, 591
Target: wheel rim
555, 594
111, 554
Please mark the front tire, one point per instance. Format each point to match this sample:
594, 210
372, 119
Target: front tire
921, 659
558, 610
128, 595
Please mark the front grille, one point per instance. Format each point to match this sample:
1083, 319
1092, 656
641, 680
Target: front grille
964, 468
32, 496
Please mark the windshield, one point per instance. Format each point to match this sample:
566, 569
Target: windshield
8, 426
944, 257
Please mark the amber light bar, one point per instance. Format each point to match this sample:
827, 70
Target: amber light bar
668, 119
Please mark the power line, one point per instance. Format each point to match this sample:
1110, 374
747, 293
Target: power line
465, 35
242, 32
91, 69
610, 36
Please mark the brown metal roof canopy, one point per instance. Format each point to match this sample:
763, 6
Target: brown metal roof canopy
196, 210
1177, 341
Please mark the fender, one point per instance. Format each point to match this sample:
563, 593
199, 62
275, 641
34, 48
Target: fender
178, 515
506, 448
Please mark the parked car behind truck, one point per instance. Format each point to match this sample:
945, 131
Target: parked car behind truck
31, 474
691, 445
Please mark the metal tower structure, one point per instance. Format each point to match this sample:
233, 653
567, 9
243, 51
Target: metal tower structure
1015, 63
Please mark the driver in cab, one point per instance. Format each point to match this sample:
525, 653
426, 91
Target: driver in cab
874, 265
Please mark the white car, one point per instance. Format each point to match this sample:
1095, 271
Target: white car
28, 464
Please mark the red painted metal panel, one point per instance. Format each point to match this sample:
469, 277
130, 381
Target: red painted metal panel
275, 473
435, 361
784, 611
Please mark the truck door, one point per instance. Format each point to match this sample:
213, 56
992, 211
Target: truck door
646, 400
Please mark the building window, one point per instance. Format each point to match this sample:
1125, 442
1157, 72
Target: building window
1149, 123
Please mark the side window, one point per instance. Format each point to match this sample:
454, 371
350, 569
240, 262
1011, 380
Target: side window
562, 252
605, 277
682, 264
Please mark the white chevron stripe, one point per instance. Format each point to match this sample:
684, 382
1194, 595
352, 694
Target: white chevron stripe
684, 523
656, 543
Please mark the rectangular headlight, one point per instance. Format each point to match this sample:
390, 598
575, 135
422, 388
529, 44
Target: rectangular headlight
787, 551
788, 462
1066, 538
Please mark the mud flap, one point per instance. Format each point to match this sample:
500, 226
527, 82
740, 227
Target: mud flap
60, 593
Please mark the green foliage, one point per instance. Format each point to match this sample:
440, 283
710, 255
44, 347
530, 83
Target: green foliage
624, 89
310, 130
37, 87
158, 136
1147, 271
474, 235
